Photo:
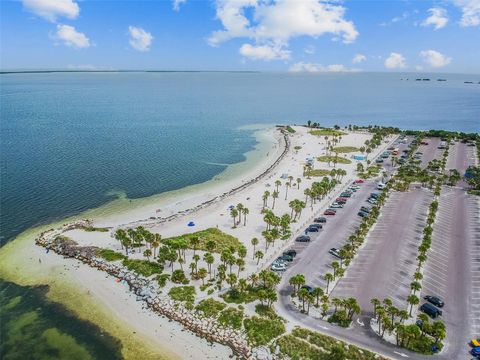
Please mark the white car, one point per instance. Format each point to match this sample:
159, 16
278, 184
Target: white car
278, 266
336, 205
381, 186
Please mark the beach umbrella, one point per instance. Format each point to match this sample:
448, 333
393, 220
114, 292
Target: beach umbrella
191, 223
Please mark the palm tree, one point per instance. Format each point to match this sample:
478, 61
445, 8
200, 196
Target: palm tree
231, 280
418, 276
194, 242
234, 214
368, 151
156, 243
335, 265
328, 277
211, 245
245, 212
412, 300
298, 183
317, 292
287, 185
209, 259
302, 294
439, 331
415, 286
258, 255
277, 184
254, 242
202, 274
240, 263
265, 196
376, 304
147, 253
274, 196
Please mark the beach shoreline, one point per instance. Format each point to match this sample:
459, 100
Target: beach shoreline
31, 265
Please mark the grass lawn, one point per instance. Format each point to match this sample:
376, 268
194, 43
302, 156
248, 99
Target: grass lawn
317, 172
327, 132
345, 149
231, 317
210, 307
372, 171
222, 240
110, 255
236, 297
91, 228
340, 160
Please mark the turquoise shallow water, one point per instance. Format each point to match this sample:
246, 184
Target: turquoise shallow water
68, 139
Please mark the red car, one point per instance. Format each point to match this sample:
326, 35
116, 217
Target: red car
359, 181
424, 142
329, 212
344, 199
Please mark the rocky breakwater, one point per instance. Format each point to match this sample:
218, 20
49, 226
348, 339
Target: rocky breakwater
146, 290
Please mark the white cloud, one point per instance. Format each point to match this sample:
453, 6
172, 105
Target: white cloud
359, 58
309, 50
278, 21
438, 18
177, 4
435, 59
395, 61
470, 12
312, 67
139, 38
51, 9
71, 37
264, 52
396, 19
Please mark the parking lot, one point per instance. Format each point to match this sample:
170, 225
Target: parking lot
385, 265
430, 151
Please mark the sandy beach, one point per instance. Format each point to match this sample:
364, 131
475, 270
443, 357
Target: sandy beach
207, 205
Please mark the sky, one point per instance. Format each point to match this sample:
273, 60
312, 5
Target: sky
242, 35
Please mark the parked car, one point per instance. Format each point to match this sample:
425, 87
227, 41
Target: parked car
379, 161
278, 267
290, 252
359, 181
346, 194
475, 343
312, 229
381, 186
335, 252
318, 226
424, 142
320, 219
342, 199
303, 238
372, 201
329, 212
365, 209
430, 310
285, 258
375, 195
475, 351
362, 214
352, 189
435, 301
336, 205
308, 288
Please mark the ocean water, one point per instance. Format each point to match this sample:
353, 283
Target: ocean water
71, 141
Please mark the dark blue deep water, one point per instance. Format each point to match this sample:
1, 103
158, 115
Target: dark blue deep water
68, 139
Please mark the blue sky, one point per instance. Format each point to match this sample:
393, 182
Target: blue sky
265, 35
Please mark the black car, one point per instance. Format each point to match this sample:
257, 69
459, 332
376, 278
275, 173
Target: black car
290, 252
318, 226
321, 220
430, 310
303, 238
312, 229
285, 258
434, 300
375, 195
365, 209
362, 214
346, 194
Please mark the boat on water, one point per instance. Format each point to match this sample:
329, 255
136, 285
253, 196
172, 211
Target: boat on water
418, 79
441, 79
468, 82
426, 79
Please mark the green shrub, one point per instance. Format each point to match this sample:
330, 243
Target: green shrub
297, 349
260, 331
178, 277
290, 129
235, 296
317, 172
266, 311
162, 279
340, 317
231, 317
210, 307
143, 267
110, 255
99, 229
183, 293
